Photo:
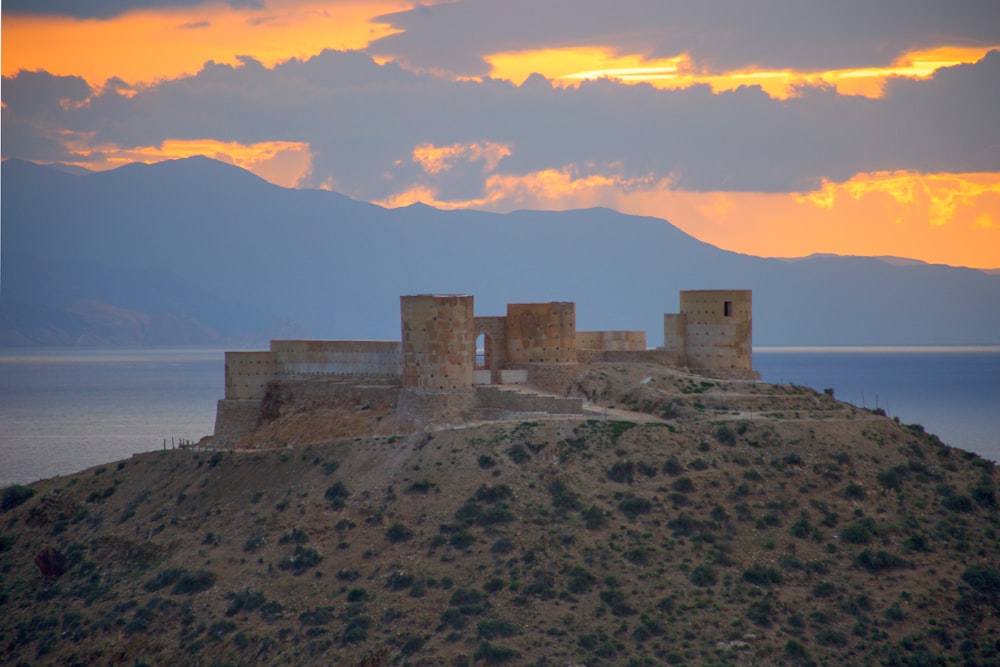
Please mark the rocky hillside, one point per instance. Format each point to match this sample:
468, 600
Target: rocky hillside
697, 522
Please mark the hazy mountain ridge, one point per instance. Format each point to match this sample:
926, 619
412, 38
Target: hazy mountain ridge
244, 253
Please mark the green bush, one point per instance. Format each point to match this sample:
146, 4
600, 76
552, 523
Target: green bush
616, 600
398, 532
494, 627
317, 616
164, 578
703, 575
622, 472
492, 654
564, 498
190, 583
880, 561
632, 506
761, 575
14, 496
725, 435
337, 494
246, 600
761, 613
296, 536
301, 560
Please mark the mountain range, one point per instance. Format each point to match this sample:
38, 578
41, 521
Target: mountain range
196, 251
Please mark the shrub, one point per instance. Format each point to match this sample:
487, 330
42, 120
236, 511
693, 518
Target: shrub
622, 472
683, 485
190, 583
518, 454
398, 532
296, 536
880, 561
983, 580
564, 498
593, 518
858, 532
337, 494
504, 545
616, 600
725, 435
317, 616
330, 467
486, 462
672, 467
164, 578
399, 580
248, 599
301, 560
579, 580
492, 654
14, 496
703, 575
761, 613
462, 540
494, 627
761, 575
854, 492
254, 542
632, 506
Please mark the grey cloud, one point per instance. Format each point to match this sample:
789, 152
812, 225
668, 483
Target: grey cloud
723, 34
363, 121
106, 9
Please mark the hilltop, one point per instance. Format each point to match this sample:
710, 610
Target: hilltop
685, 520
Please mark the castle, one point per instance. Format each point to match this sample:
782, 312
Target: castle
448, 358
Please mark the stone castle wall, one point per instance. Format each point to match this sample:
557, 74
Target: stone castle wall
719, 328
438, 343
541, 332
611, 340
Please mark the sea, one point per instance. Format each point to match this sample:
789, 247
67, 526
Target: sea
62, 411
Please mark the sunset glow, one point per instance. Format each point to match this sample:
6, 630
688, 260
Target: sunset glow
146, 46
571, 66
301, 98
283, 163
940, 218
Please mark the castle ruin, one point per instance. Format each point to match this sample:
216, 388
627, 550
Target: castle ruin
437, 371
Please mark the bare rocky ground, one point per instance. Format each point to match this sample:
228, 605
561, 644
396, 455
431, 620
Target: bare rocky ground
684, 521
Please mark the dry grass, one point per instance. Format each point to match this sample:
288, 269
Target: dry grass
814, 534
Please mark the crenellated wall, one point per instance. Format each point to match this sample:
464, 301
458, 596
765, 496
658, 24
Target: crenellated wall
439, 346
541, 332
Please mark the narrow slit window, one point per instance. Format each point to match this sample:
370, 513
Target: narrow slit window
728, 308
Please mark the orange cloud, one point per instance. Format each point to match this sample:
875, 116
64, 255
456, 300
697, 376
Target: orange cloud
939, 218
283, 163
146, 46
436, 159
570, 66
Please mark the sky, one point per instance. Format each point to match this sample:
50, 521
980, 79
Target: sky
776, 128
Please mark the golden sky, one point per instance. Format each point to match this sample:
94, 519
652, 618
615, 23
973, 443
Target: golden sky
935, 214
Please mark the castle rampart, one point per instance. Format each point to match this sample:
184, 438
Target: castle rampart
611, 340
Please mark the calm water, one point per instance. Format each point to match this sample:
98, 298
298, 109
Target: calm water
953, 392
65, 410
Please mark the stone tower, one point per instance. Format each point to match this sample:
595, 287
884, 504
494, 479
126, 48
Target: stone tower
438, 345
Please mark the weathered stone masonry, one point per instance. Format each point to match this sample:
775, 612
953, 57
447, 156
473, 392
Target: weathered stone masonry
534, 343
